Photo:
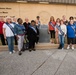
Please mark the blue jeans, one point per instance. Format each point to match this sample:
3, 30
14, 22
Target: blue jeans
61, 40
10, 43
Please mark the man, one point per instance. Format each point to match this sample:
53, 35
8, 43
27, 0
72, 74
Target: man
1, 30
38, 23
65, 20
26, 24
32, 35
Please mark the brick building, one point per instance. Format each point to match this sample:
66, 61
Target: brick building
43, 8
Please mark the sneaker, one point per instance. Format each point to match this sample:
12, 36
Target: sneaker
14, 51
62, 48
10, 52
68, 47
72, 48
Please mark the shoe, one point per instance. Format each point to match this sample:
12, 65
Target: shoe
62, 48
20, 53
10, 52
14, 51
59, 47
68, 47
72, 48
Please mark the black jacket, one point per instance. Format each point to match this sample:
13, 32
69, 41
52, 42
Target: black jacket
32, 35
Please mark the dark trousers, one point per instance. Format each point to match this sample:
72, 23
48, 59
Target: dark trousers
15, 40
2, 39
31, 44
71, 40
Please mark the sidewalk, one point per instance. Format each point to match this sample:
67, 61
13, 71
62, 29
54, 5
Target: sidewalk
40, 62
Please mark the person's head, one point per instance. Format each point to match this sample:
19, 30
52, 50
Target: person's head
64, 17
61, 22
38, 17
52, 18
1, 19
8, 19
71, 18
20, 21
71, 22
14, 19
32, 22
26, 20
58, 20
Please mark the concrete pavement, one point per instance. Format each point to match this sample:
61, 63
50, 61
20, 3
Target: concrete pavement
40, 62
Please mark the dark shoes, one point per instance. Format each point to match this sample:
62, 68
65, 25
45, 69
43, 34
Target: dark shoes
20, 53
60, 47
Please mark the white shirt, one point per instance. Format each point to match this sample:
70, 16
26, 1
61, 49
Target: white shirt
64, 29
8, 31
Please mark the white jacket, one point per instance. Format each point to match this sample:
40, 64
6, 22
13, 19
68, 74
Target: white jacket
64, 29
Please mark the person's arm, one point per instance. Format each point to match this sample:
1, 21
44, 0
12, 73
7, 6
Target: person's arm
16, 32
4, 32
65, 31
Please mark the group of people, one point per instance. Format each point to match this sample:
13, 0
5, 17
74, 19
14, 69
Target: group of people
62, 28
15, 29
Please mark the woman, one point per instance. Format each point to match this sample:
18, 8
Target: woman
32, 35
51, 29
71, 34
57, 31
8, 31
62, 35
20, 32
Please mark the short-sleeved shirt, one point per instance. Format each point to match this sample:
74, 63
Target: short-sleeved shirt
8, 31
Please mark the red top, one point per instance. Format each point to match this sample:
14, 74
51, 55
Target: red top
51, 27
1, 27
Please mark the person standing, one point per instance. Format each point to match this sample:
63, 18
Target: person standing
38, 23
57, 31
51, 29
26, 24
20, 32
8, 31
65, 20
71, 33
1, 31
32, 36
62, 34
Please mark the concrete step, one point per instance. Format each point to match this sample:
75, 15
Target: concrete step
40, 46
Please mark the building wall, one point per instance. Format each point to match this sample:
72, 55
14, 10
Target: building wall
32, 10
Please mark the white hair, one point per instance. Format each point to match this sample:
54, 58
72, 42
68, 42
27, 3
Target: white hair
8, 17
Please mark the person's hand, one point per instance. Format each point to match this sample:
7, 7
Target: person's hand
64, 35
48, 32
17, 37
